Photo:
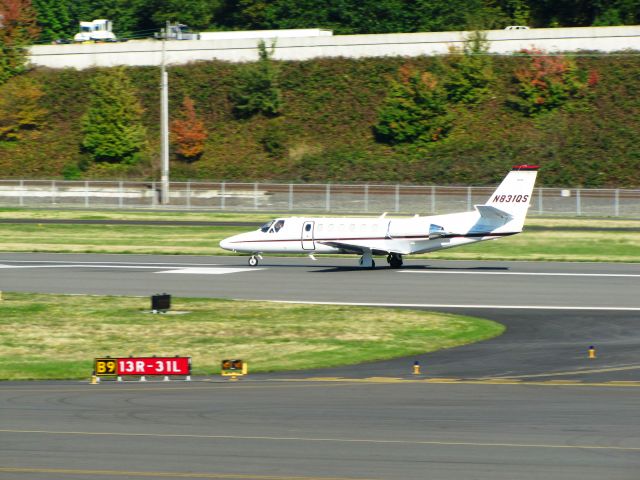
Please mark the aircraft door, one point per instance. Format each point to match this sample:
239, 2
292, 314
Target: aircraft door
307, 236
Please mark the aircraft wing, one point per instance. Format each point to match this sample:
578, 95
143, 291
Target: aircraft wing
355, 246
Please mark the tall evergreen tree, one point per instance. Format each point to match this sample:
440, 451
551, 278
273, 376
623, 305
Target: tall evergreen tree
54, 19
112, 126
257, 88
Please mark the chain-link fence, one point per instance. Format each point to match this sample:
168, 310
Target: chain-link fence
311, 198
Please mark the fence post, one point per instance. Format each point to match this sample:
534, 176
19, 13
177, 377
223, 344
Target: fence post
188, 199
328, 197
433, 199
222, 194
53, 192
153, 194
397, 198
616, 209
540, 206
255, 196
22, 193
121, 194
468, 198
578, 203
290, 196
366, 197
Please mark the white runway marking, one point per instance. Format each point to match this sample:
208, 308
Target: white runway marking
67, 262
210, 270
188, 268
539, 274
80, 266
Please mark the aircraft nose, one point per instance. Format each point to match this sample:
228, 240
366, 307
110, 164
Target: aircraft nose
226, 243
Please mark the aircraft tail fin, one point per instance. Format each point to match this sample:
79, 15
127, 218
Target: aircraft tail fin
513, 196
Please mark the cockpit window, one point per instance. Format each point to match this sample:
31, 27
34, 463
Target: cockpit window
273, 226
266, 226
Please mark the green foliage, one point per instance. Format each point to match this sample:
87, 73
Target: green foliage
257, 87
415, 109
274, 139
17, 30
20, 108
111, 126
197, 14
554, 13
326, 134
54, 19
548, 82
470, 77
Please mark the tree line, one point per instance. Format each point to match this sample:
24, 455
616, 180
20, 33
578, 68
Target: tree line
140, 18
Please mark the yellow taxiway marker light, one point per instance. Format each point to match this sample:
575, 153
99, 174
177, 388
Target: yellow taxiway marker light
95, 379
592, 352
416, 367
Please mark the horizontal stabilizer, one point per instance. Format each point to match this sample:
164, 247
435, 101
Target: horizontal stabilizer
493, 213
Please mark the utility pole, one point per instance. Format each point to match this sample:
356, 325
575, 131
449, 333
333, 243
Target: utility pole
164, 122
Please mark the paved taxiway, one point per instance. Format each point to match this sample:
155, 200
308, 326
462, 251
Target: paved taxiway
277, 428
313, 431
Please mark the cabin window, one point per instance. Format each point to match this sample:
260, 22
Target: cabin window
320, 227
278, 225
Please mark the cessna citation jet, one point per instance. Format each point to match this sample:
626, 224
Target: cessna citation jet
502, 215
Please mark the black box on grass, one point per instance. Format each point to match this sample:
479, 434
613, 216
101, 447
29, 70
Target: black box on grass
160, 302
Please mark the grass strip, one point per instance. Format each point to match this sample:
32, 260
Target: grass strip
58, 336
260, 218
574, 246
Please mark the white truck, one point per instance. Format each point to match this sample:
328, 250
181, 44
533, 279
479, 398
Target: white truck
95, 31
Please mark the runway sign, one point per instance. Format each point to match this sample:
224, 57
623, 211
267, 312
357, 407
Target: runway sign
112, 367
105, 367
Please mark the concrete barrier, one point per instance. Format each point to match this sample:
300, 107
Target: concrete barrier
149, 52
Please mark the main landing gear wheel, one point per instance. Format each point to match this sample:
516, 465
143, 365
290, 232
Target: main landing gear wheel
253, 260
394, 260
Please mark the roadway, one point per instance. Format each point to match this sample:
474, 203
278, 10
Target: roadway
558, 415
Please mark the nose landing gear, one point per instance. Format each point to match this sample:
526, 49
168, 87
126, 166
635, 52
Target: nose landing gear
253, 259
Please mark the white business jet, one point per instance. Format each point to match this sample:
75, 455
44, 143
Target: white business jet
502, 215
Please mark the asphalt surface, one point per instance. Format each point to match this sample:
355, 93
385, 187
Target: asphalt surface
304, 431
560, 415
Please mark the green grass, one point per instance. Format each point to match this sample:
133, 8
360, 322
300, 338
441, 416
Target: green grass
58, 336
178, 216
